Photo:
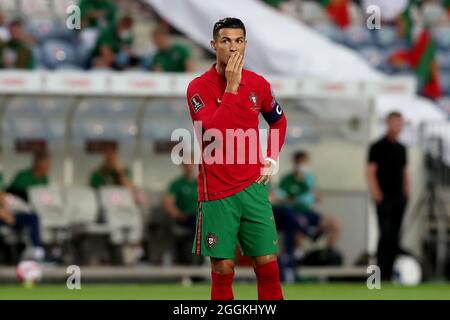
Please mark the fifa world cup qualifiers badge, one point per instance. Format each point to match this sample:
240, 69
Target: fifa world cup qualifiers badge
197, 103
211, 240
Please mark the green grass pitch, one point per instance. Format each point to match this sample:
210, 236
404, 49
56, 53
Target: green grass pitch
345, 291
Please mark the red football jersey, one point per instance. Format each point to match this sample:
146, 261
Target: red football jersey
229, 164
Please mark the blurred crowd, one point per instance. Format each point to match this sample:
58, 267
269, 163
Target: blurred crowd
112, 37
106, 40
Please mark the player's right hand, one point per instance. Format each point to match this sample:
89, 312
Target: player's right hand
233, 72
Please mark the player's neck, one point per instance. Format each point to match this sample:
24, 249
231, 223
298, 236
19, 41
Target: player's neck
220, 69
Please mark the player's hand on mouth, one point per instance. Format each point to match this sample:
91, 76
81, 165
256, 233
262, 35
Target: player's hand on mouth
233, 72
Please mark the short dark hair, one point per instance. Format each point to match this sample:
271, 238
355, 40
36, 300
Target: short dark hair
234, 23
299, 155
394, 114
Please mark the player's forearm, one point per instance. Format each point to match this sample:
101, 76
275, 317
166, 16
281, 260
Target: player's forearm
223, 117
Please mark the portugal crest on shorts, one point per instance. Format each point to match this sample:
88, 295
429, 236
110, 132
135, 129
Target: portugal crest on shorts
254, 99
211, 240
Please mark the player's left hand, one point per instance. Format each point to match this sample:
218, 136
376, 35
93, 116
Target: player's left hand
267, 172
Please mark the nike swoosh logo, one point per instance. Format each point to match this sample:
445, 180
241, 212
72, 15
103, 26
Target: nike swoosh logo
219, 101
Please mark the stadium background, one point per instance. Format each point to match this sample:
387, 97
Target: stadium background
64, 101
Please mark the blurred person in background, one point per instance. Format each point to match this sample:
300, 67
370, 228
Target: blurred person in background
4, 30
16, 52
111, 172
170, 57
37, 175
114, 47
180, 202
388, 179
98, 13
18, 220
181, 198
298, 191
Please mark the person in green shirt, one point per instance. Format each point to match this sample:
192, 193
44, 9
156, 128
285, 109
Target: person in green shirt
181, 199
18, 221
297, 191
16, 53
114, 47
97, 13
170, 57
37, 175
180, 203
111, 172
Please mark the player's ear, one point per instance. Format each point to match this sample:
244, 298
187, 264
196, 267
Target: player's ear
213, 45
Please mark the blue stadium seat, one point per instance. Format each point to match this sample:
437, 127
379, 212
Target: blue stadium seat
44, 29
373, 55
445, 83
38, 58
386, 37
442, 37
68, 66
58, 52
331, 32
399, 44
356, 36
443, 58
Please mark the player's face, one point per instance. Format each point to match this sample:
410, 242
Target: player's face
228, 41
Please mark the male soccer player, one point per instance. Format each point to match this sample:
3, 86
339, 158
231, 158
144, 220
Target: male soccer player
233, 197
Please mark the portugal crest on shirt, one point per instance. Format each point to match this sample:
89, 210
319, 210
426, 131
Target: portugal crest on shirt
211, 240
254, 99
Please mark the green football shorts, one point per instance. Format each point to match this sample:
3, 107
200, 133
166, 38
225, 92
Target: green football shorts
245, 218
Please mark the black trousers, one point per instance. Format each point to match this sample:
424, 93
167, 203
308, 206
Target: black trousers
390, 216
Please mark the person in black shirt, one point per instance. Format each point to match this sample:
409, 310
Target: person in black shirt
388, 180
